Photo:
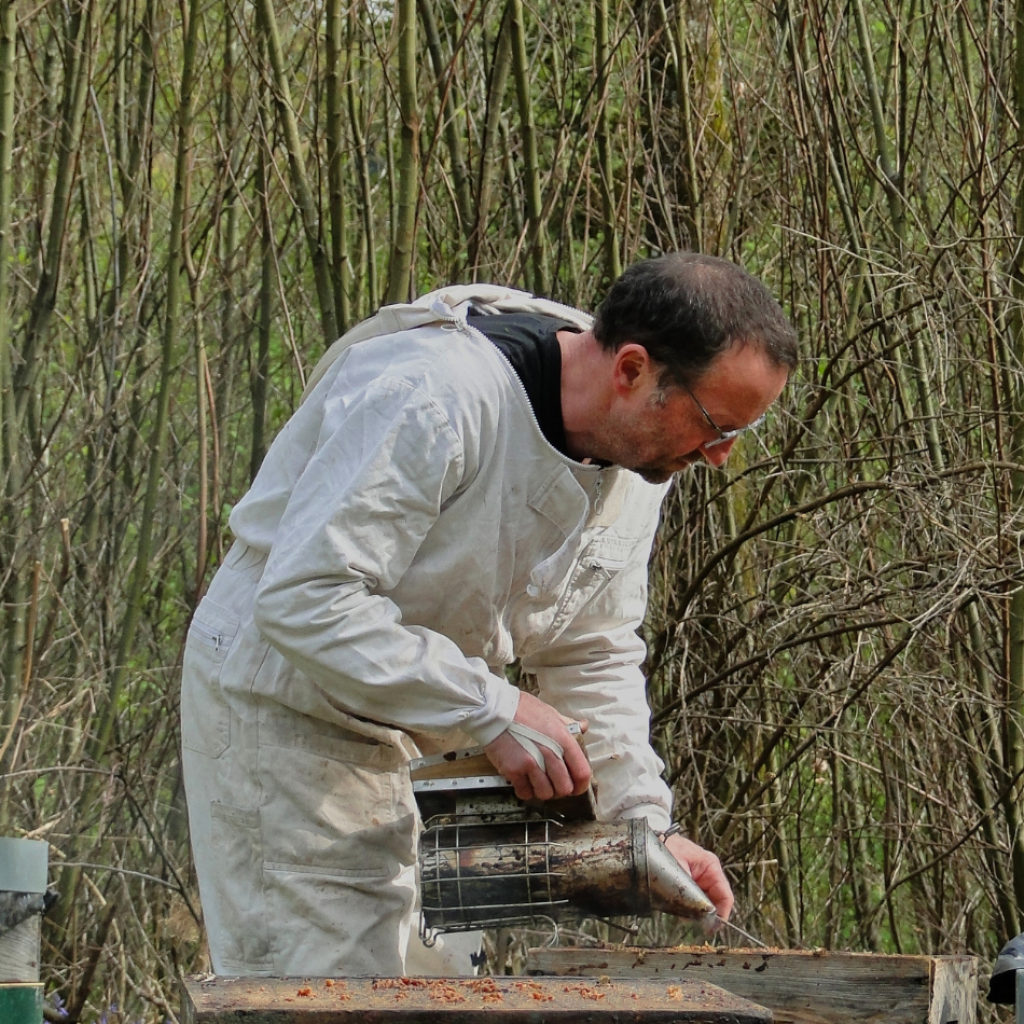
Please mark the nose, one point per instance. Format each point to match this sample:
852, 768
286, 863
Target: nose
716, 455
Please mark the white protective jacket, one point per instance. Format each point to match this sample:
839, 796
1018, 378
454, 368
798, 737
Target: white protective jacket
422, 534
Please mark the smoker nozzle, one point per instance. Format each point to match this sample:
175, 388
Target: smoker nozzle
671, 887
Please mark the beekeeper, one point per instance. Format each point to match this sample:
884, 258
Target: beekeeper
471, 479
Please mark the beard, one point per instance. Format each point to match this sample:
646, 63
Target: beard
641, 443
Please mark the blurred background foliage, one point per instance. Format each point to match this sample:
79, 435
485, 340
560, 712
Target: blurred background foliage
196, 198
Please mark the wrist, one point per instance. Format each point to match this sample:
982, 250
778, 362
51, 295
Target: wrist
486, 724
657, 816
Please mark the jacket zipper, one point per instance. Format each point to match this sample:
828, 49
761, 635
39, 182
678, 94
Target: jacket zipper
210, 636
597, 503
474, 332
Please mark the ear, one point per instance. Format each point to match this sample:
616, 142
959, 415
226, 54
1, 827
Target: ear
632, 370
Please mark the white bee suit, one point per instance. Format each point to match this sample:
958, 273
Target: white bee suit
410, 534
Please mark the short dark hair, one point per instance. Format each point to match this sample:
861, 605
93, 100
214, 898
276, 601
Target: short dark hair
686, 309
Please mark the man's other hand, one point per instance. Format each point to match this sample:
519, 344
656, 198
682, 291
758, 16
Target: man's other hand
706, 870
560, 776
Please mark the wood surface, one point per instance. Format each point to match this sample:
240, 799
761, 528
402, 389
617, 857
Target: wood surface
456, 768
462, 1001
461, 764
19, 952
799, 987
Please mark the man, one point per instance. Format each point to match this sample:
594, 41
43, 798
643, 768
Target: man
471, 479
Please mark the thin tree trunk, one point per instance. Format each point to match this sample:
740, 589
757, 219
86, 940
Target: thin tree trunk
99, 741
487, 161
401, 261
261, 368
203, 438
452, 138
354, 59
230, 262
78, 44
787, 879
609, 211
13, 613
537, 274
891, 175
175, 271
335, 175
687, 175
1015, 405
297, 169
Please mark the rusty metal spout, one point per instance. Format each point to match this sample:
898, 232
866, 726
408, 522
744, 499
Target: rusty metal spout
671, 887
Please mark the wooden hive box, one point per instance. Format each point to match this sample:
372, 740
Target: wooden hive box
462, 1001
799, 987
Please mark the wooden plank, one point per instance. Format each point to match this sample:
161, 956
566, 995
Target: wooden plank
799, 987
954, 990
19, 952
453, 768
462, 1001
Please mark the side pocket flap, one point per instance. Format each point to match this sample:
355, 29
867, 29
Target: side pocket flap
213, 625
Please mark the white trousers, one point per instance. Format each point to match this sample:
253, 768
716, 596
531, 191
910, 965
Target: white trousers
303, 824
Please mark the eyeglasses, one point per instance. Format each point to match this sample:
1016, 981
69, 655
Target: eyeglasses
723, 435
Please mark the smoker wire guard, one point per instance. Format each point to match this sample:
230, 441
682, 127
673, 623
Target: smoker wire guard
542, 872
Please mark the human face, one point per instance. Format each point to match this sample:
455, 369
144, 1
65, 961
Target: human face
658, 431
724, 436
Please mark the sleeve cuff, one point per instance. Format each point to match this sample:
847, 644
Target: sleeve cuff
657, 817
494, 718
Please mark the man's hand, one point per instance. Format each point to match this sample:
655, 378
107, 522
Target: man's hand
569, 774
706, 871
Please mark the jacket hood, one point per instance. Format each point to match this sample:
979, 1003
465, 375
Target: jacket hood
450, 302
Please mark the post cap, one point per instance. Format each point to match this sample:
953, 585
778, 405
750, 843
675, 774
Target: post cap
23, 864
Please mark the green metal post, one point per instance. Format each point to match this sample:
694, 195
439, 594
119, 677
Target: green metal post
23, 864
21, 1004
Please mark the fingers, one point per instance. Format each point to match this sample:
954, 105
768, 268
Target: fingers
544, 786
717, 889
577, 767
706, 870
521, 785
556, 776
533, 782
562, 776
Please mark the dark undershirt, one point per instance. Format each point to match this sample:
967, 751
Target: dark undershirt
528, 341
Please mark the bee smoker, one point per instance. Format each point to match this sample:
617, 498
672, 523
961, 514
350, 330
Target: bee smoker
487, 860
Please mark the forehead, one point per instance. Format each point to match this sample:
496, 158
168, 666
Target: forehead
739, 385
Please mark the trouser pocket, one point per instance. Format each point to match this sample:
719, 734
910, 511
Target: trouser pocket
334, 802
304, 837
234, 901
339, 845
346, 922
205, 716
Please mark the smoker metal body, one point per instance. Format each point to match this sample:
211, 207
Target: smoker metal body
488, 860
497, 870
